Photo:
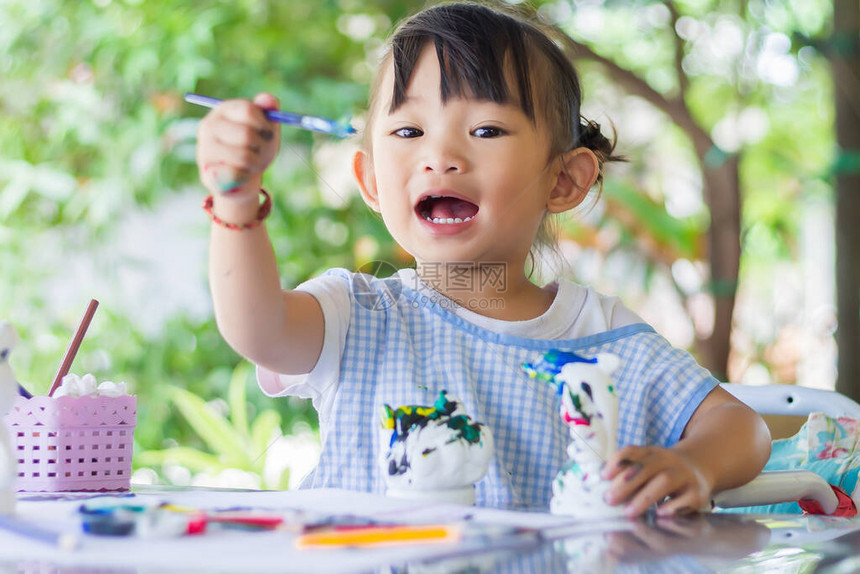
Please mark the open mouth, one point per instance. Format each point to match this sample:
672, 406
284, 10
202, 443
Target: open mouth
444, 209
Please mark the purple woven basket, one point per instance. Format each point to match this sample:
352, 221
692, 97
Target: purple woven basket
69, 443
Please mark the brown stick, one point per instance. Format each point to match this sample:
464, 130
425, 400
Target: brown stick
74, 345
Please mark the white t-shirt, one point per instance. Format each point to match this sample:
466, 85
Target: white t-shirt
575, 312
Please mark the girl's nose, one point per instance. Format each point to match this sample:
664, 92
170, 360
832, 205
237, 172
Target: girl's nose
444, 157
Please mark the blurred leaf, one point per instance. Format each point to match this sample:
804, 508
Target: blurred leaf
213, 428
681, 237
266, 426
190, 458
284, 480
237, 403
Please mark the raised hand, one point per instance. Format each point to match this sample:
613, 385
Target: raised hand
235, 145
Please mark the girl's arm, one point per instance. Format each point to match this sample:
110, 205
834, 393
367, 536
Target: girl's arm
725, 444
279, 330
728, 440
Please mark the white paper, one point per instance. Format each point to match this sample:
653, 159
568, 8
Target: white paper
270, 551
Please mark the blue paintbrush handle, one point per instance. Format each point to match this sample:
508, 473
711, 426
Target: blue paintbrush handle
311, 123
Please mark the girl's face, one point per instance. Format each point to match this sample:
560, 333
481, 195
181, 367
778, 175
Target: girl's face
462, 181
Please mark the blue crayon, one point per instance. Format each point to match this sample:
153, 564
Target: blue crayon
64, 540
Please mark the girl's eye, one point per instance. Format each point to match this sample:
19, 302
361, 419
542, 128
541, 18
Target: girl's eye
488, 132
408, 132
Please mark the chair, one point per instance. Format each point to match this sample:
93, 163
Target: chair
773, 487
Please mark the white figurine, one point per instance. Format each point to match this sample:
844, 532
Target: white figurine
434, 452
589, 406
8, 394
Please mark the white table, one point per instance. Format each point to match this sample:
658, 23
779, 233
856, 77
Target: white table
556, 544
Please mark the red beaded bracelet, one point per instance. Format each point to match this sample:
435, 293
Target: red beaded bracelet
265, 209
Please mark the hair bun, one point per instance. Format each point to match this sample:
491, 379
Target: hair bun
592, 138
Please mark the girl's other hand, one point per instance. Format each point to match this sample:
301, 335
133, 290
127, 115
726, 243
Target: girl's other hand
644, 476
236, 142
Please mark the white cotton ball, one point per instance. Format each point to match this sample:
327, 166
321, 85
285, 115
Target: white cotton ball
75, 386
111, 389
88, 385
71, 386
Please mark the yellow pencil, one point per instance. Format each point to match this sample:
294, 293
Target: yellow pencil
382, 536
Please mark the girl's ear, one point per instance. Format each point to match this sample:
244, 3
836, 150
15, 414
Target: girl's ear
577, 171
362, 168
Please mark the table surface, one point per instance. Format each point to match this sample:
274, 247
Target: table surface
701, 543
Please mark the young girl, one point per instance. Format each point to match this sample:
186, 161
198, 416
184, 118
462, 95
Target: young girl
474, 136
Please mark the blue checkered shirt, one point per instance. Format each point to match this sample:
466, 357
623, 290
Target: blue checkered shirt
403, 347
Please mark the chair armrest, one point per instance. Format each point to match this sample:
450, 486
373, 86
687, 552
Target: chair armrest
793, 400
780, 486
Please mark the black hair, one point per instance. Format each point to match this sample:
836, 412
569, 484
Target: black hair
489, 52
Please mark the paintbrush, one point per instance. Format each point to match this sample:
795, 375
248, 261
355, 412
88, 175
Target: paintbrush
74, 345
337, 128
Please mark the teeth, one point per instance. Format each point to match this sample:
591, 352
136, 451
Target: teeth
443, 220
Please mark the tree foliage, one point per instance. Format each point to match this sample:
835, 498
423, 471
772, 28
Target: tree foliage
744, 99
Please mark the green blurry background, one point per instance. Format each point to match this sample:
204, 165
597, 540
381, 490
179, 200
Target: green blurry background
99, 195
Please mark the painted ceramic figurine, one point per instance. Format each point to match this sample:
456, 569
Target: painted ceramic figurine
589, 406
8, 393
434, 452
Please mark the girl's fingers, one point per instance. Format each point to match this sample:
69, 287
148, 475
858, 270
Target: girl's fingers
236, 142
686, 503
241, 159
251, 115
643, 476
620, 460
243, 112
232, 147
266, 101
240, 132
632, 478
273, 130
252, 158
651, 493
238, 135
241, 127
